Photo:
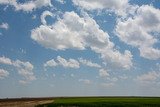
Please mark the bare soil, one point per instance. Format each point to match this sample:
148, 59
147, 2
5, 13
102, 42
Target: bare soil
27, 102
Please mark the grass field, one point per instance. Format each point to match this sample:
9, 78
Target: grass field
104, 102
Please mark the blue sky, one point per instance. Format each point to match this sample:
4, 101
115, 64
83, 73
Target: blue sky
79, 48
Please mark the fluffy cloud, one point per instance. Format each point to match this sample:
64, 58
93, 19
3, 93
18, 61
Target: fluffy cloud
70, 63
89, 63
44, 15
4, 26
51, 63
103, 73
27, 6
113, 5
25, 69
5, 60
75, 32
148, 77
3, 73
138, 31
116, 59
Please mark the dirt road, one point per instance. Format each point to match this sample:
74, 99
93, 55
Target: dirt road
25, 103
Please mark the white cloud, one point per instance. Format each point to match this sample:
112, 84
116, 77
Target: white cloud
112, 79
107, 85
72, 32
27, 6
138, 31
148, 77
59, 37
41, 3
150, 52
70, 63
116, 59
4, 26
3, 73
118, 6
75, 32
25, 69
61, 1
50, 63
103, 73
44, 15
85, 81
89, 63
5, 60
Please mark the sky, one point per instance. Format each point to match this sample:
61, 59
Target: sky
79, 48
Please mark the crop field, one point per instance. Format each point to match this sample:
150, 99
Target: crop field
104, 102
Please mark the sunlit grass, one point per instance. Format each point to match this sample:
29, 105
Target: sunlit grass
105, 102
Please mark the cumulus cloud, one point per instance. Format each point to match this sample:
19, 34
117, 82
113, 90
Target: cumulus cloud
51, 63
75, 32
5, 60
70, 63
44, 15
27, 6
4, 26
138, 31
3, 73
116, 59
25, 69
118, 6
103, 73
89, 63
149, 77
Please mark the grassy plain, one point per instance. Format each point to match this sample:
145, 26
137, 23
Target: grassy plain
104, 102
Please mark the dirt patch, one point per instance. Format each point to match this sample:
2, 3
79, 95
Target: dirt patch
24, 103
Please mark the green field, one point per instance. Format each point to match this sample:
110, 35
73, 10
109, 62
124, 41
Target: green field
104, 102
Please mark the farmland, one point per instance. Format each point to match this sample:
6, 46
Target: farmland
24, 102
104, 102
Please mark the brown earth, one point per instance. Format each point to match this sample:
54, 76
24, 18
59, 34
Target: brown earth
29, 102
